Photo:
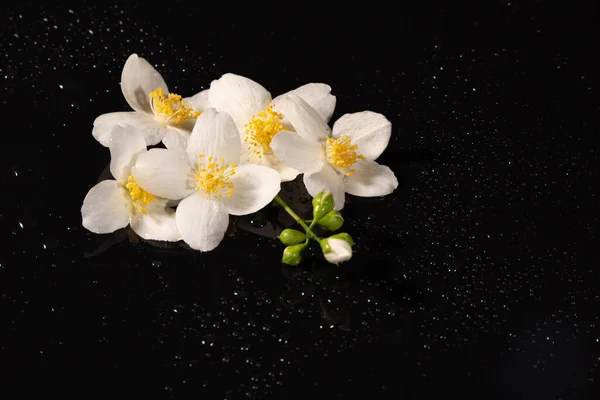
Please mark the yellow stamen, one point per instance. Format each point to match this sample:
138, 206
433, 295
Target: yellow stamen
261, 129
342, 154
139, 197
214, 177
172, 109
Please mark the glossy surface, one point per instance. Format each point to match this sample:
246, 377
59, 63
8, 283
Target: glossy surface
478, 276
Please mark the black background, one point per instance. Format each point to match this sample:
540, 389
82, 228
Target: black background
477, 278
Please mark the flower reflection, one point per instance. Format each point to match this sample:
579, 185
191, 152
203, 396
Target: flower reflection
317, 284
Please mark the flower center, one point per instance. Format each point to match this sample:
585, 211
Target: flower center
213, 177
172, 109
341, 153
139, 197
261, 129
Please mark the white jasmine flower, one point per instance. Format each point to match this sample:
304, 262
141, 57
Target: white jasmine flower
259, 119
341, 160
158, 114
115, 203
207, 179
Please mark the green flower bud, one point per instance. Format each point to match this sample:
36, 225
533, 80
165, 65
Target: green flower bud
290, 237
343, 236
332, 221
322, 205
292, 255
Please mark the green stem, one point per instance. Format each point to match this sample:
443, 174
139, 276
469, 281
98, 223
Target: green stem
300, 221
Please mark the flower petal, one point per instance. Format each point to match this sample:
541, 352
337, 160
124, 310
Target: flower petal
238, 96
328, 180
145, 124
307, 122
298, 153
157, 224
371, 180
138, 79
249, 156
369, 130
125, 145
286, 173
199, 101
254, 186
215, 134
317, 95
176, 138
106, 208
202, 221
165, 173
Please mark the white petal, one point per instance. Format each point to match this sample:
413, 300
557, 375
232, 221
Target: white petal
199, 101
202, 221
286, 173
328, 180
106, 208
306, 120
215, 134
317, 95
165, 173
298, 153
145, 124
248, 156
138, 79
369, 130
238, 96
176, 138
371, 180
157, 224
254, 186
125, 145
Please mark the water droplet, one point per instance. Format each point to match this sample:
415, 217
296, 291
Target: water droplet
266, 327
284, 337
209, 340
257, 220
156, 264
304, 199
239, 294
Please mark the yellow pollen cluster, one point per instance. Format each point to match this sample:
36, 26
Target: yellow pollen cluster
139, 197
261, 129
342, 154
172, 107
213, 176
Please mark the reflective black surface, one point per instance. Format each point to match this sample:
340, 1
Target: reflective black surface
476, 278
